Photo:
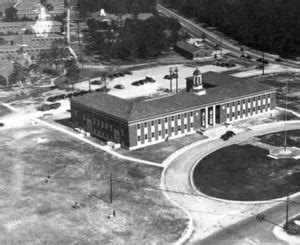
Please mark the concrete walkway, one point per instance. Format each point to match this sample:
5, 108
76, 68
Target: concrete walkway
208, 215
34, 116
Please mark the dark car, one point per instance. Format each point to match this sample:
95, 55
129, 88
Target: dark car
262, 61
227, 135
96, 82
119, 86
136, 83
1, 124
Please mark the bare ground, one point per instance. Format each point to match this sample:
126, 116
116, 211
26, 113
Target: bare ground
35, 212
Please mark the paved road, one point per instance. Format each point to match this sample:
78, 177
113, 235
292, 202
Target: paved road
252, 232
197, 31
210, 215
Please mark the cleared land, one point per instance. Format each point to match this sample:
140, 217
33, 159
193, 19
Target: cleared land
245, 172
36, 212
159, 152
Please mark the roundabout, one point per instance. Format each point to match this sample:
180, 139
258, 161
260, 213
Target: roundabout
207, 214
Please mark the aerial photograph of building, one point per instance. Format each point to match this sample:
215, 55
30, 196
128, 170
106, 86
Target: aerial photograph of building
150, 122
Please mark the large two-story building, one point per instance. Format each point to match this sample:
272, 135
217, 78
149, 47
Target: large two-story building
211, 99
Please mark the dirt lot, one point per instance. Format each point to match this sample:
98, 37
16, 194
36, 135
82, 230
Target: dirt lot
34, 211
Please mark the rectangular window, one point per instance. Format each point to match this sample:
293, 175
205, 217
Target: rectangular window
185, 126
249, 110
152, 123
249, 100
152, 135
146, 136
232, 114
166, 131
172, 118
239, 102
227, 115
178, 128
145, 125
227, 105
178, 117
238, 113
244, 111
166, 119
139, 138
138, 126
192, 113
192, 125
159, 121
184, 115
172, 129
244, 101
269, 95
159, 133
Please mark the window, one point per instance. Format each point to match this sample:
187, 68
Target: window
184, 115
269, 95
159, 133
192, 125
178, 117
179, 128
239, 113
249, 110
166, 119
192, 113
152, 135
172, 118
227, 115
258, 97
249, 100
172, 129
185, 126
138, 126
227, 105
244, 111
145, 125
152, 123
244, 101
146, 136
159, 121
232, 114
166, 131
239, 102
139, 138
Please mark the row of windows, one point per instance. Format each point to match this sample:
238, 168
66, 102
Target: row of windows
249, 100
165, 119
166, 132
249, 110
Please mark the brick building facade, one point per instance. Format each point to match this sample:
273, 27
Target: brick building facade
135, 124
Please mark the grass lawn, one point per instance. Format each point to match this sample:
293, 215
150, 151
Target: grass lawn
279, 81
245, 172
159, 152
277, 139
3, 111
36, 212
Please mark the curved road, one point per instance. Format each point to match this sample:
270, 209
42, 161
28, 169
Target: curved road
235, 49
210, 215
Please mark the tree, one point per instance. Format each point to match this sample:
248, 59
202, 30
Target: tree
10, 14
72, 70
18, 75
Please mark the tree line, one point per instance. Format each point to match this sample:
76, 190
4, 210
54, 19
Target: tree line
133, 39
115, 6
269, 25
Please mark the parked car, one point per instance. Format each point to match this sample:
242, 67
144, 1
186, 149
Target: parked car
262, 61
136, 83
1, 124
119, 86
246, 56
96, 82
227, 135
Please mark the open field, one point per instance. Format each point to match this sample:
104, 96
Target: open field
245, 172
34, 211
159, 152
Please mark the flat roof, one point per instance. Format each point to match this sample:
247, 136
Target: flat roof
226, 88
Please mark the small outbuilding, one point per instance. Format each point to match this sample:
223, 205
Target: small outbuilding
190, 51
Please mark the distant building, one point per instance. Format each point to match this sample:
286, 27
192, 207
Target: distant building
4, 4
13, 28
31, 44
211, 99
191, 51
31, 8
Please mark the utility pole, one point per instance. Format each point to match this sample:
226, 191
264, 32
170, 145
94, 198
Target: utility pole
287, 212
176, 73
263, 63
285, 120
171, 76
110, 188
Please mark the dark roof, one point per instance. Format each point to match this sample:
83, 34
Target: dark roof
186, 47
227, 88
